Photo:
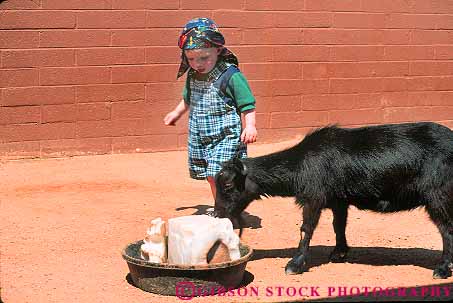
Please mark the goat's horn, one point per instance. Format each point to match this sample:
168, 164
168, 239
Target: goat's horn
244, 169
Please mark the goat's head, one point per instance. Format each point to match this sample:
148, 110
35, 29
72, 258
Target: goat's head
235, 190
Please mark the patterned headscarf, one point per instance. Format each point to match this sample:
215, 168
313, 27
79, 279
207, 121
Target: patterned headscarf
202, 33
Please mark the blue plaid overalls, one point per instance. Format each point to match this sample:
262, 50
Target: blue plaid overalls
214, 127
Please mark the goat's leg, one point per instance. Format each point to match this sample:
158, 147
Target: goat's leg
444, 269
311, 214
340, 215
441, 217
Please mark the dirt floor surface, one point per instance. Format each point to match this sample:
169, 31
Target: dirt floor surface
65, 221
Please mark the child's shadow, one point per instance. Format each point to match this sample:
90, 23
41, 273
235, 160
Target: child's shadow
250, 221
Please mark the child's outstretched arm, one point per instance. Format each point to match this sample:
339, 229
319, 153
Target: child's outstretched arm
249, 133
173, 116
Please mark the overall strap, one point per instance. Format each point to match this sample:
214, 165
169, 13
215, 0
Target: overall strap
222, 83
188, 76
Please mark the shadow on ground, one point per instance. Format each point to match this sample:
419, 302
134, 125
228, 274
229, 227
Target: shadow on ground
379, 256
249, 221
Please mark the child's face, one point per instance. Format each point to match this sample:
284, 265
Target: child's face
202, 60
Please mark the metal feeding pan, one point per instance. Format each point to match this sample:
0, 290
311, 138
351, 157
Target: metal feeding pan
185, 280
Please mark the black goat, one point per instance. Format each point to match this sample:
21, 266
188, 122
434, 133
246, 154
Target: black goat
385, 168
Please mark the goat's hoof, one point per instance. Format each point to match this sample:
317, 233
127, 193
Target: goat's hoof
294, 267
292, 271
338, 255
338, 258
441, 273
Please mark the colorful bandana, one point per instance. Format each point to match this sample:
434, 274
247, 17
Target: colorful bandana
202, 33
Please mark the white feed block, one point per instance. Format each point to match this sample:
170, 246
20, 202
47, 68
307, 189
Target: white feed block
154, 248
191, 237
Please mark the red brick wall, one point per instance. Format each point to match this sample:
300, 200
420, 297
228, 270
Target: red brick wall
97, 76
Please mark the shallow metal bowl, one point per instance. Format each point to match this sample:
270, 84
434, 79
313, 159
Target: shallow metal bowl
185, 280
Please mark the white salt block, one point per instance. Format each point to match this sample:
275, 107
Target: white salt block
154, 248
191, 237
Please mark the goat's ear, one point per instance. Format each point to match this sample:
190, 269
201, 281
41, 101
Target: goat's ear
251, 186
240, 166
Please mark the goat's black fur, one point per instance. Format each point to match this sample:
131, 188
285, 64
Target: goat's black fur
387, 168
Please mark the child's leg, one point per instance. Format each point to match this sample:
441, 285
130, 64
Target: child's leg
211, 182
218, 210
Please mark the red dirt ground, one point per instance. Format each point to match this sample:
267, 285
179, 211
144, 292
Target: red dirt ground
65, 221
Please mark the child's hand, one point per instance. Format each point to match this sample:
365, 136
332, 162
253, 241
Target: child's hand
249, 134
171, 118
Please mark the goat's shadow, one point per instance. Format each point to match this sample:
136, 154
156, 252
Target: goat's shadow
379, 256
249, 221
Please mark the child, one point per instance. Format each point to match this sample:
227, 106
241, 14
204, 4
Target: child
215, 128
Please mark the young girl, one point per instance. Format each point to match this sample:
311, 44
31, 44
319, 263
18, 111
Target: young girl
215, 105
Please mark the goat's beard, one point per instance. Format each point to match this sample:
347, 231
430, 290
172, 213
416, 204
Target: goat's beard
241, 225
238, 221
234, 211
236, 217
